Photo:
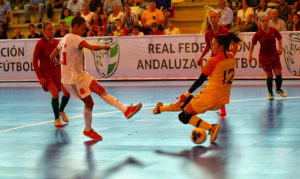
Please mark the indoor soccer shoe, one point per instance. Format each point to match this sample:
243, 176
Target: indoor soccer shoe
131, 110
57, 123
64, 116
156, 110
281, 93
214, 132
270, 96
92, 134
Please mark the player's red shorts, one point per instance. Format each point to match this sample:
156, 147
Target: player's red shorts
52, 78
270, 63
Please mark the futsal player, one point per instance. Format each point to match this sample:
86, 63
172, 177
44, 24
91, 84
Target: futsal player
49, 74
220, 70
80, 83
269, 55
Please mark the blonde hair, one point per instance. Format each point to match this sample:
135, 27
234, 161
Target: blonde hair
205, 24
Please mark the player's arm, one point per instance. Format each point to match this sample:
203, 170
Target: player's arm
54, 55
36, 57
94, 47
253, 43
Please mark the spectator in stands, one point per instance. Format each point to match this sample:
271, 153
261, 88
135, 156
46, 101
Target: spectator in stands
17, 4
245, 19
171, 30
87, 14
128, 2
262, 10
94, 31
166, 7
2, 35
275, 22
295, 24
18, 34
96, 24
111, 19
226, 14
54, 4
4, 15
152, 14
235, 5
66, 16
253, 3
75, 6
34, 5
285, 12
119, 30
155, 30
62, 30
108, 6
128, 19
94, 4
138, 8
99, 10
136, 31
32, 34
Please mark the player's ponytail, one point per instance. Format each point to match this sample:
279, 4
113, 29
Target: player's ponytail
225, 40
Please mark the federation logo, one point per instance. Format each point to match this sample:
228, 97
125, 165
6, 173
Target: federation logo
292, 54
106, 61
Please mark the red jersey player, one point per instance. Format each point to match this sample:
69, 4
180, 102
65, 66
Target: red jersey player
80, 83
49, 74
269, 55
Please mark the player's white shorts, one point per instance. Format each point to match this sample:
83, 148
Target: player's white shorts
82, 88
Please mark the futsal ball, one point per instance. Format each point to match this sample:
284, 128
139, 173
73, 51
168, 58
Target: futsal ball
198, 135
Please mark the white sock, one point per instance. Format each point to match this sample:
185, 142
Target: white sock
114, 102
87, 113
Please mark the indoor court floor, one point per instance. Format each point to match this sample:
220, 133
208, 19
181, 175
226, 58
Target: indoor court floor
258, 138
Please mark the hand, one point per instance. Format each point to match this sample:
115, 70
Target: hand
42, 81
182, 98
199, 62
279, 51
106, 47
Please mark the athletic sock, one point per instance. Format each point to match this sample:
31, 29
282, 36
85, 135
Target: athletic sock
87, 113
278, 81
170, 107
114, 102
64, 102
270, 85
197, 122
55, 107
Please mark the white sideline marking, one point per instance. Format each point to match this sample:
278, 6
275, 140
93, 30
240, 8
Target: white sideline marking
112, 112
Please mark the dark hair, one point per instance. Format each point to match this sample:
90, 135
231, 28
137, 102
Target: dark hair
45, 25
137, 27
62, 13
31, 25
77, 20
226, 40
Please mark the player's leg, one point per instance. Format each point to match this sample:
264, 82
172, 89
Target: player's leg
171, 107
222, 111
188, 116
128, 111
278, 81
87, 113
64, 101
269, 82
55, 103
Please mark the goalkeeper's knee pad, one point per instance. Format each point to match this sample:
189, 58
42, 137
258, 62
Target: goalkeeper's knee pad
185, 117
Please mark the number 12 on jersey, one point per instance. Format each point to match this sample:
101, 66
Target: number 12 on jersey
228, 76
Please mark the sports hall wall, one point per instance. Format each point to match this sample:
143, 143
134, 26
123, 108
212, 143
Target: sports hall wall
149, 58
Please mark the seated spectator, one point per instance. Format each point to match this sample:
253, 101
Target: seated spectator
138, 8
253, 3
295, 25
234, 5
99, 10
154, 29
103, 24
128, 2
2, 35
119, 30
18, 34
171, 30
245, 19
152, 14
17, 4
66, 16
97, 26
40, 27
54, 4
275, 22
128, 19
34, 5
74, 6
94, 31
285, 12
4, 15
108, 6
136, 31
94, 4
87, 14
62, 30
226, 14
262, 10
111, 19
32, 34
166, 7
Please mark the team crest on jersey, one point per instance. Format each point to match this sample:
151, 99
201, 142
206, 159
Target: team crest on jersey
106, 61
292, 54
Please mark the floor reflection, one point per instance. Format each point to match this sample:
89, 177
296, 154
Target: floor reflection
271, 115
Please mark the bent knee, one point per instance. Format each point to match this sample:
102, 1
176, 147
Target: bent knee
184, 117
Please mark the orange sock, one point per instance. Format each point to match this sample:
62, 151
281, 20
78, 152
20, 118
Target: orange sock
170, 107
223, 111
198, 122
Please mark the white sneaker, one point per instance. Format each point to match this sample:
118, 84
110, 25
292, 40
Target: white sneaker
64, 116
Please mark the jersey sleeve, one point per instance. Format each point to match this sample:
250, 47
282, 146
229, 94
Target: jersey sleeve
209, 66
36, 58
76, 41
255, 38
277, 34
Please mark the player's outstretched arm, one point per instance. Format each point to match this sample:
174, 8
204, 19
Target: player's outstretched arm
94, 47
54, 55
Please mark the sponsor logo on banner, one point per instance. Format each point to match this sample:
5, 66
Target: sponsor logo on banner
292, 54
106, 61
